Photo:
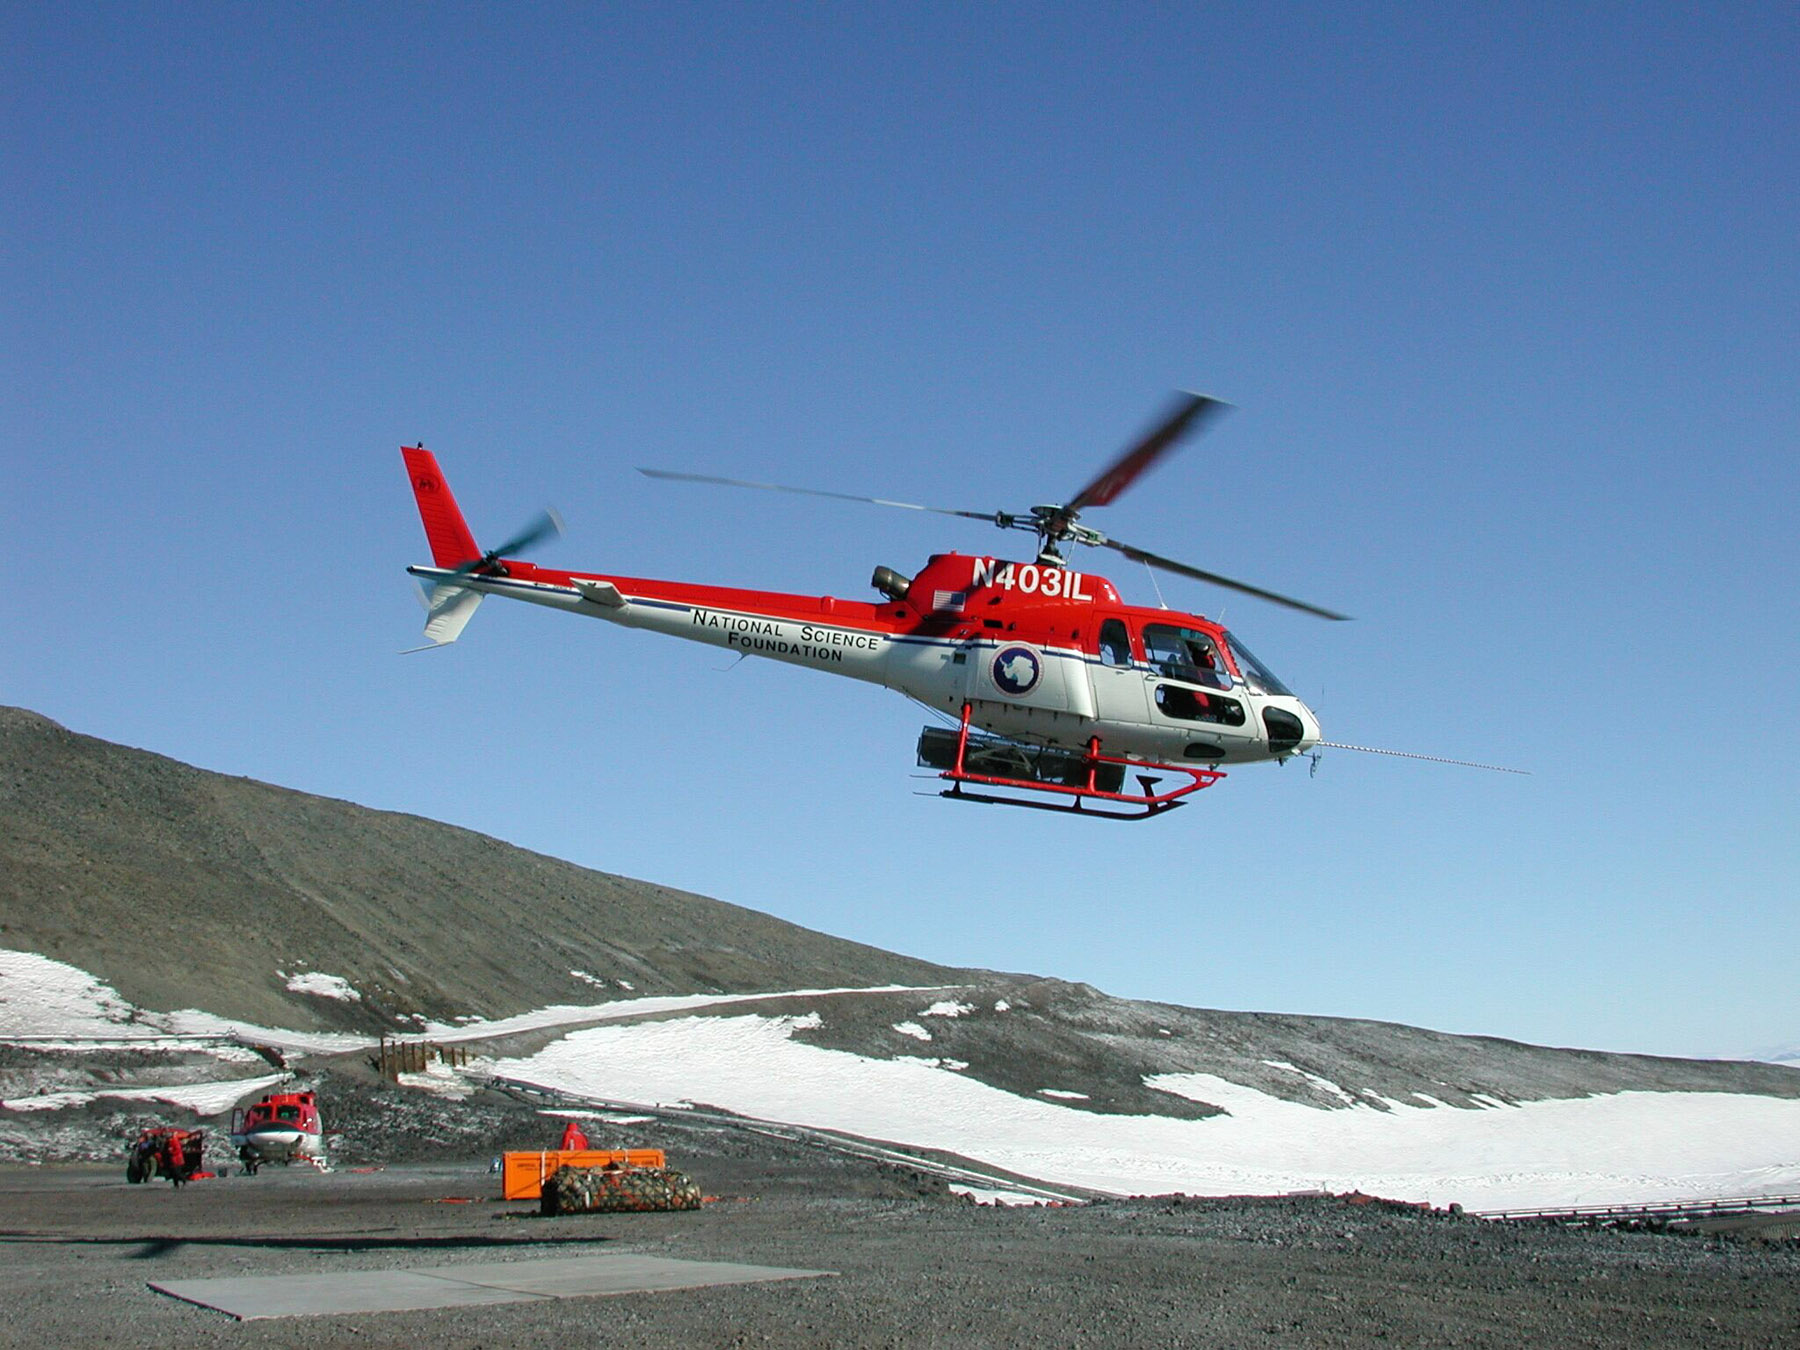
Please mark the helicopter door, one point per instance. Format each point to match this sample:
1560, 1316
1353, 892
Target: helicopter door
1119, 690
1190, 692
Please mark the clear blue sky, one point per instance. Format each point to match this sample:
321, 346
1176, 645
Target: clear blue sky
1506, 299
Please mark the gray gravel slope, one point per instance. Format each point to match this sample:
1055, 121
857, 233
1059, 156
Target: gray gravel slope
147, 872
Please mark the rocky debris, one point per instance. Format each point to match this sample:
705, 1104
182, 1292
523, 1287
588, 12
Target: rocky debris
612, 1190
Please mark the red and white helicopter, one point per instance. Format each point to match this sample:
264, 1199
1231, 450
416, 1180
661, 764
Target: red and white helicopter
282, 1127
1057, 687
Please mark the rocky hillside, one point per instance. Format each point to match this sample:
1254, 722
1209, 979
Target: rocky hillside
185, 888
188, 889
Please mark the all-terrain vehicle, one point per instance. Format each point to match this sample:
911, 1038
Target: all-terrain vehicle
165, 1151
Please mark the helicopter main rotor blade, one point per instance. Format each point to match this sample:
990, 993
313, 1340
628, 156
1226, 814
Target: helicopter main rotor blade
1182, 569
999, 518
1184, 418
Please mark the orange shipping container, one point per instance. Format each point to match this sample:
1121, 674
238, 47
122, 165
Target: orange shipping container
523, 1175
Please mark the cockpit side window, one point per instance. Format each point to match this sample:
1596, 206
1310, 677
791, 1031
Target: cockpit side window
1258, 676
1185, 654
1190, 705
1115, 644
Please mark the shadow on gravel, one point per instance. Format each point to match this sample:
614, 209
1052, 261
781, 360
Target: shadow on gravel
152, 1247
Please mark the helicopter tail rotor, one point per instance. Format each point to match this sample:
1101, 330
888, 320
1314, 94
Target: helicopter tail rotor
449, 603
546, 525
452, 542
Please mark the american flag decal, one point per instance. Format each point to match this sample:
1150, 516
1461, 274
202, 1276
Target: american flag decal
953, 601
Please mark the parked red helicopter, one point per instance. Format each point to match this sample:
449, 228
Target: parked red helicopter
1057, 686
281, 1127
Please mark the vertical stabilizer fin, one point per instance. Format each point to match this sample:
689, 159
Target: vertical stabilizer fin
446, 531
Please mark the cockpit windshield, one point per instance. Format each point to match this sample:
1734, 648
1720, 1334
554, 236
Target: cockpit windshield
1258, 676
1184, 654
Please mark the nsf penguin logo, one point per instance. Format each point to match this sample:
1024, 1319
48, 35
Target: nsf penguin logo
1017, 671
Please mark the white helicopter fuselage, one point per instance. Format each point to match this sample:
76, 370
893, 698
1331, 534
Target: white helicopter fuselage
1019, 644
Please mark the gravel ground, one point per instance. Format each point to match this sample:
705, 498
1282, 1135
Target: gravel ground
915, 1267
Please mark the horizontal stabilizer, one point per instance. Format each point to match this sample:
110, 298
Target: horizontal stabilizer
601, 593
450, 608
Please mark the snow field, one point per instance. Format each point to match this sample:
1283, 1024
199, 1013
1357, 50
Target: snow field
1621, 1148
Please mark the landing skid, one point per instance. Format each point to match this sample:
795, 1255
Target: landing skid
1074, 797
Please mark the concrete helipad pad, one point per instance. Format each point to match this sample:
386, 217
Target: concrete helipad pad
365, 1291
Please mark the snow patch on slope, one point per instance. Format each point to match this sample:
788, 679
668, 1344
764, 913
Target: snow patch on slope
457, 1084
41, 997
323, 986
1623, 1147
583, 1014
203, 1099
948, 1008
